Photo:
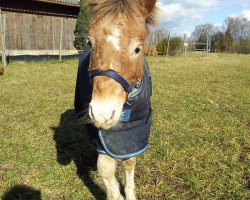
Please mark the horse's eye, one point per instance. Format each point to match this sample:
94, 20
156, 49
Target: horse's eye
137, 50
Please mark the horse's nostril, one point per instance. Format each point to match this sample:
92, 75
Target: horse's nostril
112, 115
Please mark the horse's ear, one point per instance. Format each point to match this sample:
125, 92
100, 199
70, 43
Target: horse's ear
149, 11
148, 6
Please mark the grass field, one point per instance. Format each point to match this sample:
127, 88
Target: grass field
199, 146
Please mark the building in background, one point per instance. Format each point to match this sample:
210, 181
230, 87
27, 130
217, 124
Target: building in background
38, 27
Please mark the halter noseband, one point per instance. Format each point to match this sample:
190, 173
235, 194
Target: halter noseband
117, 77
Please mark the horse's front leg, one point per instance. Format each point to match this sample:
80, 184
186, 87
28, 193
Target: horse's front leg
106, 168
129, 166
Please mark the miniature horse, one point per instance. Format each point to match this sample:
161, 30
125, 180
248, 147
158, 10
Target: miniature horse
118, 73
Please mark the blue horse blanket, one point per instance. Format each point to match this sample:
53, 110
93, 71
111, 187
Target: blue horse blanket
131, 138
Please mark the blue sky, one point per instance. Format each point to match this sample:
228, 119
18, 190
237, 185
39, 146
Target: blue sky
181, 16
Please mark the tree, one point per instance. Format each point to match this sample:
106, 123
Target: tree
237, 34
243, 46
202, 34
239, 27
175, 45
233, 36
217, 43
201, 31
82, 26
162, 46
228, 40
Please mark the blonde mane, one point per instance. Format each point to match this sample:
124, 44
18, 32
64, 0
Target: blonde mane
101, 8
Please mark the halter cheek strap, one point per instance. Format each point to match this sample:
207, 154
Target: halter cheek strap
117, 77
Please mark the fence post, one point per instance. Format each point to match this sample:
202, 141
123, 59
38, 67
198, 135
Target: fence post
3, 29
168, 44
207, 44
61, 40
184, 45
156, 39
153, 39
53, 34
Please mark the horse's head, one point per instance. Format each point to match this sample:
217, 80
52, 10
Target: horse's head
117, 34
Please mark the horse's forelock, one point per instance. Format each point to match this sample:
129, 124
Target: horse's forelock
146, 8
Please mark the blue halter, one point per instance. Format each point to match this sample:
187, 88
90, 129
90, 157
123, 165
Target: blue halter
117, 77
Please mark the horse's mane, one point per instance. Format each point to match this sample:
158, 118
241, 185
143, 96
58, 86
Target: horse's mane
100, 8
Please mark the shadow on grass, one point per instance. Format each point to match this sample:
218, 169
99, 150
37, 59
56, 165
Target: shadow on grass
22, 192
73, 144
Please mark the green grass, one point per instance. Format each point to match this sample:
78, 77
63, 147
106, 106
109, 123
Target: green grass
199, 146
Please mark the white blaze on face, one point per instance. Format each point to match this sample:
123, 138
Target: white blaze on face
114, 38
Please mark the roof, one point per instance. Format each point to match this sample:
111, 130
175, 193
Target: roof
63, 8
62, 2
